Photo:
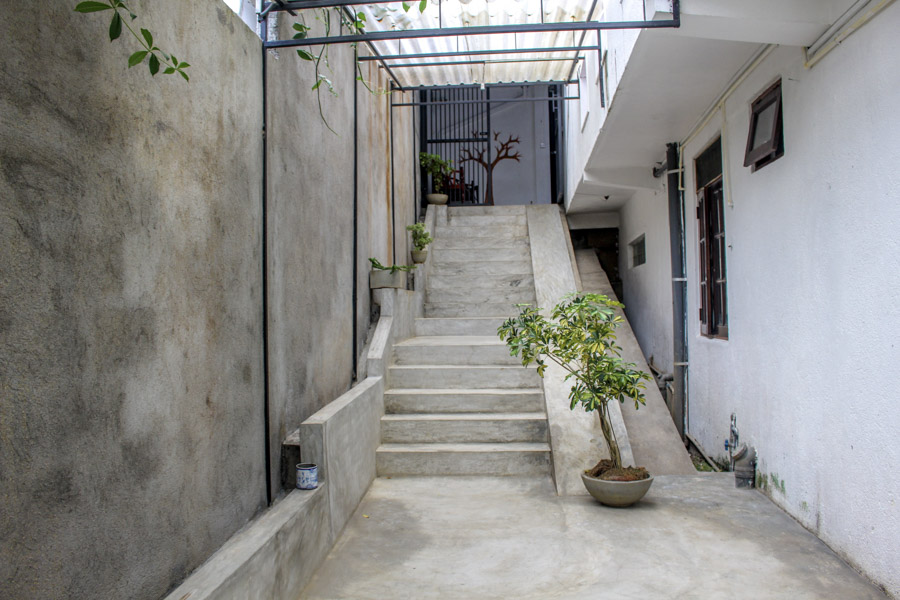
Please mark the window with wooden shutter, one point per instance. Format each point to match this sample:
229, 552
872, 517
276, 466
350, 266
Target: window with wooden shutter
711, 242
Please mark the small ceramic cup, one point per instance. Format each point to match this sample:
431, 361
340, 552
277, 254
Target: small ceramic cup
307, 476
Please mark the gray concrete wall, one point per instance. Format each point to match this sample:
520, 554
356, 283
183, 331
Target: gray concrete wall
131, 433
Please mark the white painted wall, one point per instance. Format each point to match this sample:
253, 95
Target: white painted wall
810, 366
647, 288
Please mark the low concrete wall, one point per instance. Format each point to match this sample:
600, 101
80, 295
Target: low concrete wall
576, 439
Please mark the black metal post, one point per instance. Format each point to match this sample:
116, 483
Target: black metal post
265, 279
355, 215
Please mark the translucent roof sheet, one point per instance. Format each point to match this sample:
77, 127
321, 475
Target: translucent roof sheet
494, 68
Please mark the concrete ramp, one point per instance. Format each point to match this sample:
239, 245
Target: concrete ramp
654, 439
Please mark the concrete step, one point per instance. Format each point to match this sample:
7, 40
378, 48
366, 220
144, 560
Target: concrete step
481, 242
475, 278
520, 458
476, 211
482, 400
467, 309
482, 326
486, 268
464, 428
462, 377
485, 220
485, 254
478, 295
486, 229
453, 350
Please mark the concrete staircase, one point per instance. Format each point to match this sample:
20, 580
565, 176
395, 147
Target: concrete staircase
458, 404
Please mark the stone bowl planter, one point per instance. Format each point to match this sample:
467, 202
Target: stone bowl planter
379, 278
437, 198
419, 256
616, 493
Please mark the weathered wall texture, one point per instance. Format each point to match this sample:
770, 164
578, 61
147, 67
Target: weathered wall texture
813, 261
310, 218
131, 433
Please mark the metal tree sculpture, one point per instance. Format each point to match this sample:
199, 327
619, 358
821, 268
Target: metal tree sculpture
503, 152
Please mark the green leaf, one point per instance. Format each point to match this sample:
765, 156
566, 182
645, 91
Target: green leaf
183, 65
304, 55
154, 64
169, 71
317, 84
183, 74
406, 7
115, 27
89, 7
422, 5
148, 37
137, 58
132, 15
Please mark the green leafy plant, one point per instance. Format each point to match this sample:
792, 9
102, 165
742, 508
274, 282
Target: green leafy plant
437, 167
420, 236
393, 268
156, 58
580, 337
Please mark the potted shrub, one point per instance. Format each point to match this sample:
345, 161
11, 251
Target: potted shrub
580, 337
439, 169
420, 239
388, 277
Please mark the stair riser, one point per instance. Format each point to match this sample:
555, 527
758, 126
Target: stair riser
463, 378
487, 221
492, 211
479, 242
475, 279
454, 355
462, 463
458, 326
412, 403
488, 254
462, 310
481, 230
493, 268
464, 431
506, 295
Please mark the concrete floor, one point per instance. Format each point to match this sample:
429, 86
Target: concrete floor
482, 537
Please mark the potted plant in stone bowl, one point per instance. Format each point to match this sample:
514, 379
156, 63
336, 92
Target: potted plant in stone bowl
439, 169
393, 276
580, 337
420, 240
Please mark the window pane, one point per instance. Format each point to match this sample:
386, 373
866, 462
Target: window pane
764, 126
709, 164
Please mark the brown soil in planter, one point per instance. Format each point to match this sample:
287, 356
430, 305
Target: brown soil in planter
606, 471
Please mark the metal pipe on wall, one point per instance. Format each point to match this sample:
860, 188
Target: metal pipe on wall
679, 288
264, 27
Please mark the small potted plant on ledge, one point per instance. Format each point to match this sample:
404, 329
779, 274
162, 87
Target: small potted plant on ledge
580, 337
388, 277
439, 169
420, 240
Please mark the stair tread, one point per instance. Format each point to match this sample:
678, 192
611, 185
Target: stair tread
468, 447
453, 340
469, 416
465, 391
467, 367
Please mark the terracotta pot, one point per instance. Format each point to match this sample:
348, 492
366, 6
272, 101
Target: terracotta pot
437, 198
616, 493
380, 278
419, 256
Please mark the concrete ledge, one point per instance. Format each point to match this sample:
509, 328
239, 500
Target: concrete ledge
341, 439
273, 557
575, 436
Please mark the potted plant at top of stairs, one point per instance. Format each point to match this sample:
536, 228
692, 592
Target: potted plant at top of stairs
420, 240
580, 337
439, 169
388, 277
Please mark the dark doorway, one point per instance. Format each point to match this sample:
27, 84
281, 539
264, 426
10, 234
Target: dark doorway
605, 244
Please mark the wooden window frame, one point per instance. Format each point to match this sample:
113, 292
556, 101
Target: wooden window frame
711, 254
773, 148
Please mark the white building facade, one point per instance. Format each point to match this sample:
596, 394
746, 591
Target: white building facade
799, 335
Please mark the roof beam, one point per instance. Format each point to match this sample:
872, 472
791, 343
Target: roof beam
479, 52
405, 34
